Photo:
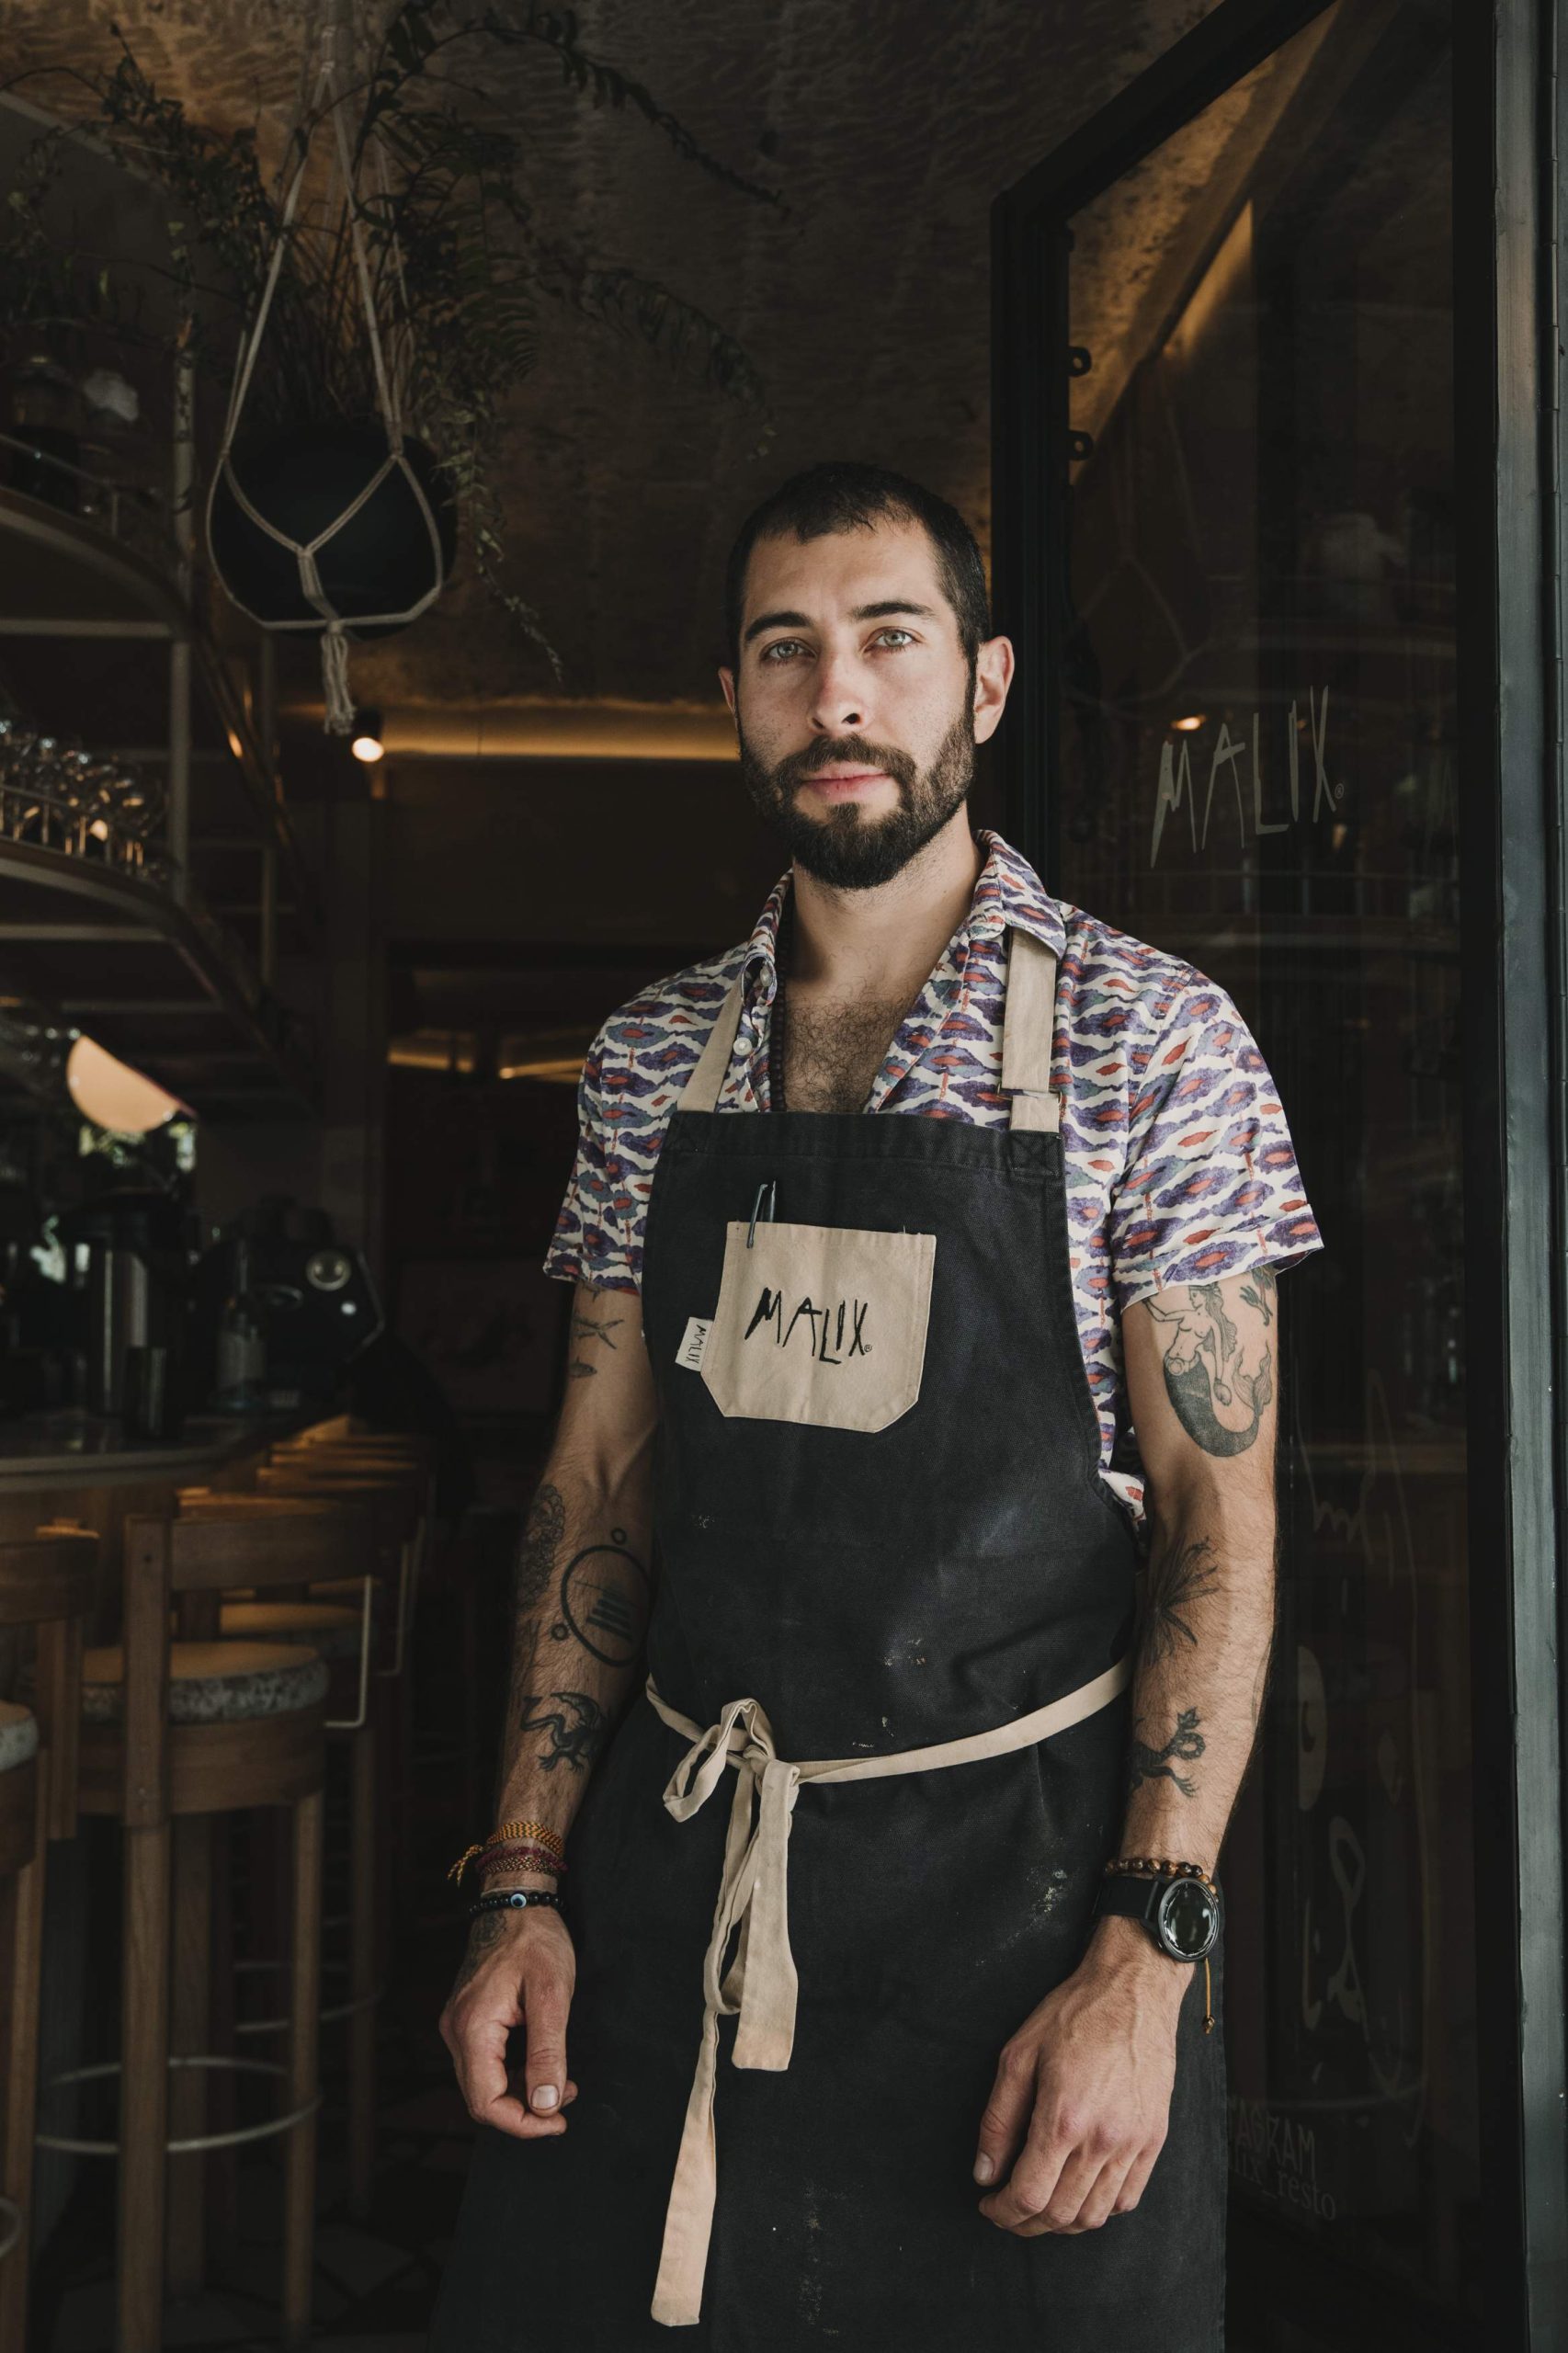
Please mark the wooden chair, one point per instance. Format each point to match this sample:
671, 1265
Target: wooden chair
174, 1734
46, 1582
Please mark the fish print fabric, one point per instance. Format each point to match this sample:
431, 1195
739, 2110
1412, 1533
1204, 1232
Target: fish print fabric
1179, 1163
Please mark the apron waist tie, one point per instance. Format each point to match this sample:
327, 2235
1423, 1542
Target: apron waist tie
759, 1987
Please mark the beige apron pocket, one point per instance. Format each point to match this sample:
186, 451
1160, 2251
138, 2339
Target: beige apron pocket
820, 1323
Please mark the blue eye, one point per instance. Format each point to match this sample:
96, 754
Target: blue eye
780, 645
907, 635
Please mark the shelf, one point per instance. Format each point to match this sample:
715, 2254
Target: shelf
78, 581
143, 966
124, 961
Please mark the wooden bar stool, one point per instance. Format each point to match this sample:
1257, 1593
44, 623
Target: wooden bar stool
177, 1732
394, 1492
344, 1633
459, 1601
46, 1582
394, 1497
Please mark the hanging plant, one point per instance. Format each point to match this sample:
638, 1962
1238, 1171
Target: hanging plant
374, 333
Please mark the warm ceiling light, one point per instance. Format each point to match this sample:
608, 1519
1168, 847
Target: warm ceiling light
112, 1095
367, 745
1189, 725
100, 829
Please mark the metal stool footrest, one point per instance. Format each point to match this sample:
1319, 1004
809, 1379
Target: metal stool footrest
11, 2224
188, 2147
328, 2017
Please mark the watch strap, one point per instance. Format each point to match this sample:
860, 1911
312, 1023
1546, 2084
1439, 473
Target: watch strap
1130, 1894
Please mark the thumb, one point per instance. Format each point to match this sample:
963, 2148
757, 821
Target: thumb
1002, 2127
545, 2008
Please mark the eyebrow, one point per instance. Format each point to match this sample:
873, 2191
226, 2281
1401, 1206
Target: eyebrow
877, 613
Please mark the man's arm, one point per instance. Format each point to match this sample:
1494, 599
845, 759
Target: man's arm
1087, 2081
1201, 1374
580, 1611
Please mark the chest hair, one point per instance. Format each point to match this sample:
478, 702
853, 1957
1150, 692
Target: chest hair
833, 1050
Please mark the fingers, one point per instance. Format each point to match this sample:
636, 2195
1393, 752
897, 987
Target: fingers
1097, 2204
1086, 2189
1047, 2183
1137, 2179
1006, 2115
481, 2057
477, 2038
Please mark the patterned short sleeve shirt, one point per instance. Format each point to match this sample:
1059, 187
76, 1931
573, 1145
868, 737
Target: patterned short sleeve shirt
1178, 1160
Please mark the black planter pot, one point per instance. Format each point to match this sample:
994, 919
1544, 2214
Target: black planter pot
379, 561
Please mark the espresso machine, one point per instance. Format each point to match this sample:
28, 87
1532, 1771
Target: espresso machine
134, 1286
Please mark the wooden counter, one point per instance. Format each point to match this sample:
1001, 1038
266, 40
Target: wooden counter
81, 1468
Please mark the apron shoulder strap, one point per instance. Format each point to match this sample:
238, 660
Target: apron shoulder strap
700, 1092
1027, 1027
1028, 1022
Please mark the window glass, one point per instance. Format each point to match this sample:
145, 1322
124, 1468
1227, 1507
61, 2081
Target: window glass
1256, 771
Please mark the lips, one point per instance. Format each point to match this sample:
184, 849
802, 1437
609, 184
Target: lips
846, 792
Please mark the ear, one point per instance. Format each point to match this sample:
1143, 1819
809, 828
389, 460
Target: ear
727, 680
992, 676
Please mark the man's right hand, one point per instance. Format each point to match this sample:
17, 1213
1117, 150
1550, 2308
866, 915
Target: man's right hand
519, 1970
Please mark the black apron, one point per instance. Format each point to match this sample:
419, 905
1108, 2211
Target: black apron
865, 1590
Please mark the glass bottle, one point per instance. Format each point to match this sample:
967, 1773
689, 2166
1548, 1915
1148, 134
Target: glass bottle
242, 1343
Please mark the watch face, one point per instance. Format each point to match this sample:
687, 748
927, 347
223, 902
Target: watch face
1189, 1919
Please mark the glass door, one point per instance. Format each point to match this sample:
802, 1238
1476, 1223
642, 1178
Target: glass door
1231, 551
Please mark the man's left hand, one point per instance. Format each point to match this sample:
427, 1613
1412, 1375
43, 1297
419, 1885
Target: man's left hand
1084, 2086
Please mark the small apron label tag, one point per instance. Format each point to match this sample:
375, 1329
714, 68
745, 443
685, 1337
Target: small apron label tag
819, 1323
689, 1352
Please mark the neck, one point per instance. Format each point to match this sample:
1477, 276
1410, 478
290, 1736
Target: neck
884, 942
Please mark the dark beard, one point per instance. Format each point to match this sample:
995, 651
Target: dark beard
848, 849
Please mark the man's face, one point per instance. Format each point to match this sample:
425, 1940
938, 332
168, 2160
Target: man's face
854, 706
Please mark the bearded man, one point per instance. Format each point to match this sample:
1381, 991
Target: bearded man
893, 1617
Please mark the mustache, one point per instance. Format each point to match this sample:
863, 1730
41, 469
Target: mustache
840, 753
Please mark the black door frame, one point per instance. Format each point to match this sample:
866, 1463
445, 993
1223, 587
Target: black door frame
1511, 290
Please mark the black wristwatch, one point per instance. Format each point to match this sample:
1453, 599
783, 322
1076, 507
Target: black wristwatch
1182, 1910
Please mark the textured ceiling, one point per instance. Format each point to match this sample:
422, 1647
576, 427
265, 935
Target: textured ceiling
887, 129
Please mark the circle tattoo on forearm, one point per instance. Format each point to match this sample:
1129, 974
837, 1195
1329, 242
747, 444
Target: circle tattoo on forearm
604, 1600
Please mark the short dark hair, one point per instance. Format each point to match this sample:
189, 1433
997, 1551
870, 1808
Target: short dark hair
843, 497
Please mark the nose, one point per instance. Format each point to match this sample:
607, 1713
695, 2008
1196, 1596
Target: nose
838, 700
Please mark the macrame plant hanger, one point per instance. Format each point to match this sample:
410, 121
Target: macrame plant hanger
329, 93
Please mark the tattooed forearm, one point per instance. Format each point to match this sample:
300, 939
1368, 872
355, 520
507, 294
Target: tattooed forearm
542, 1543
576, 1722
584, 1585
1200, 1373
1185, 1743
1181, 1577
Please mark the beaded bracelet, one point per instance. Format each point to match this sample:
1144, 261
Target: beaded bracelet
1160, 1867
514, 1899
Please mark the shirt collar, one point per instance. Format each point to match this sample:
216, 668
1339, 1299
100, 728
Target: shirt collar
1008, 894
